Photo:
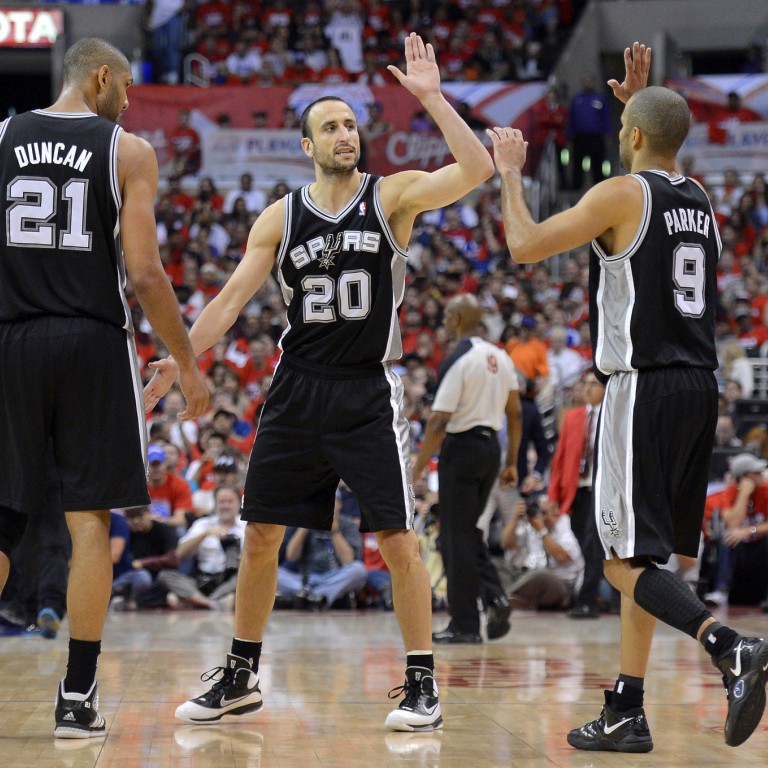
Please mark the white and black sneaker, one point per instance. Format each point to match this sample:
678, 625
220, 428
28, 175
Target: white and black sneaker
614, 732
234, 692
420, 709
77, 716
745, 672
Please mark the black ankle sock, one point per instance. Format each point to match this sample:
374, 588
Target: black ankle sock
719, 640
627, 694
247, 649
426, 660
81, 666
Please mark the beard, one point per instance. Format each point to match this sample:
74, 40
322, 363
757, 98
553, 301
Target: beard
331, 166
111, 106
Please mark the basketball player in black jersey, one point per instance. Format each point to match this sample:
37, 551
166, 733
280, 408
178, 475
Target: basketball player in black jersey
335, 405
655, 247
77, 198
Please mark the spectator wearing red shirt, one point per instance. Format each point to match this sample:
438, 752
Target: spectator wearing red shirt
721, 118
201, 472
215, 49
185, 145
751, 335
214, 17
549, 118
410, 329
299, 72
334, 72
276, 14
171, 496
175, 197
257, 366
455, 60
742, 550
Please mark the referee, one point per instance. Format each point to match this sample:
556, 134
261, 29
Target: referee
477, 386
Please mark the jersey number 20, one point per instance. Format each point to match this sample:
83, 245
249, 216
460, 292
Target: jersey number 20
354, 296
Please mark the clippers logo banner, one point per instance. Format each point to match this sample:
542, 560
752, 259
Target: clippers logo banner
30, 28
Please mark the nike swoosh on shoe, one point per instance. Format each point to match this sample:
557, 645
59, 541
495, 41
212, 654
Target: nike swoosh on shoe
226, 702
737, 671
608, 729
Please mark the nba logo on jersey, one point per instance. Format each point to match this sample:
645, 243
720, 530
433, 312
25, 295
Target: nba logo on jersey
361, 211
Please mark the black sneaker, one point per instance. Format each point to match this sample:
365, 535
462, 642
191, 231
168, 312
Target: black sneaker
498, 623
745, 670
77, 716
234, 692
420, 709
611, 732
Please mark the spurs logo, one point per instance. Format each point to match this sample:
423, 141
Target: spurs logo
610, 521
332, 247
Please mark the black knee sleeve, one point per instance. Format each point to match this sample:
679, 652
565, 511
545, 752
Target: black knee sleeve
12, 527
670, 599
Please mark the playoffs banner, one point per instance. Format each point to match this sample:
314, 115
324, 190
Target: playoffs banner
227, 152
744, 149
726, 136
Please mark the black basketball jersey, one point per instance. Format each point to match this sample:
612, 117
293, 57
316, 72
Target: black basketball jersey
342, 279
653, 305
59, 248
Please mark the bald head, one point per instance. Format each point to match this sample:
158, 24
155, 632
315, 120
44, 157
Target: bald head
662, 116
465, 311
88, 55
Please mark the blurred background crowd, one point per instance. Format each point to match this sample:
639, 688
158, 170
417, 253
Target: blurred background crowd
184, 549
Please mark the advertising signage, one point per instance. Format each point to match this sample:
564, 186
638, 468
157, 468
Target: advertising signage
30, 28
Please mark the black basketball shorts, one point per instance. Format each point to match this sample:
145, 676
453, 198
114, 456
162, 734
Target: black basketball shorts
320, 424
655, 438
73, 382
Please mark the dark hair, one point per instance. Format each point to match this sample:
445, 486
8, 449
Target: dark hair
662, 115
88, 55
306, 133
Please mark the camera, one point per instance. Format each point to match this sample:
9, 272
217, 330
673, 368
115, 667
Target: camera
532, 510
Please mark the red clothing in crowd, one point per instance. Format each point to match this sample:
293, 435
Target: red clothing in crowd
172, 495
566, 463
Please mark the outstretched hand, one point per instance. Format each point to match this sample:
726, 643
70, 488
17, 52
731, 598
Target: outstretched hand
637, 66
166, 372
509, 148
192, 383
422, 76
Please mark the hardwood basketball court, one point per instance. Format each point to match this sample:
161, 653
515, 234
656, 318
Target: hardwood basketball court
325, 679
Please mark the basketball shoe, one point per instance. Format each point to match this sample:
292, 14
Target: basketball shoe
613, 732
234, 692
745, 671
420, 709
76, 715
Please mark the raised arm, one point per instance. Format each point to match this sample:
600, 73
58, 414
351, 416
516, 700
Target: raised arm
417, 191
637, 68
607, 207
138, 177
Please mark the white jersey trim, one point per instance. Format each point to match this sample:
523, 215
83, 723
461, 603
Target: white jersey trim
400, 430
614, 483
307, 200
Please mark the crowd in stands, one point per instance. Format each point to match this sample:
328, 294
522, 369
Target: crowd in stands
539, 314
333, 41
183, 550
